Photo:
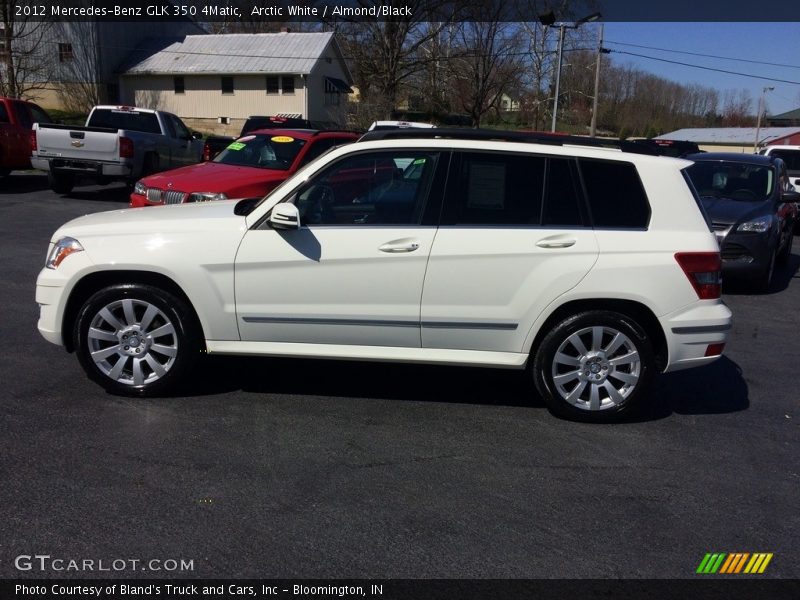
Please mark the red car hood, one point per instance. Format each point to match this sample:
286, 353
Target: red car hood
214, 177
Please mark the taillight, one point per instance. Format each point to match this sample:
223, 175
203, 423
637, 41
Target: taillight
206, 152
704, 270
34, 146
125, 147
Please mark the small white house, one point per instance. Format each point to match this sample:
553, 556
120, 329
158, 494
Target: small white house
214, 82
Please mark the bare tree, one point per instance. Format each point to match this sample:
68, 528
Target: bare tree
23, 43
488, 61
386, 54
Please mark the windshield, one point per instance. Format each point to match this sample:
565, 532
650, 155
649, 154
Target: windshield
262, 151
733, 180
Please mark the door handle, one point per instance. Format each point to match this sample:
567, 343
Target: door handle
555, 243
395, 248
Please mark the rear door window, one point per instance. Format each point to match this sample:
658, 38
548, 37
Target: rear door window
617, 199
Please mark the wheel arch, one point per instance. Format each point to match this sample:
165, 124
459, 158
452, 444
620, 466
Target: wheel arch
94, 282
630, 308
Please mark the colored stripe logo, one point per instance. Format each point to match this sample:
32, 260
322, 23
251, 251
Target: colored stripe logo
737, 562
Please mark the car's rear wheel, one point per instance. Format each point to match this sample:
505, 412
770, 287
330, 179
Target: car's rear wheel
136, 340
594, 366
764, 280
783, 257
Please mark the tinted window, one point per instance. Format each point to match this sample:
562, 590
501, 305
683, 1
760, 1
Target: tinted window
498, 189
615, 193
790, 157
319, 148
38, 115
372, 189
23, 116
561, 197
125, 119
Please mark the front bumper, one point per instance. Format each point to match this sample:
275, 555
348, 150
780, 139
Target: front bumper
744, 254
53, 287
691, 330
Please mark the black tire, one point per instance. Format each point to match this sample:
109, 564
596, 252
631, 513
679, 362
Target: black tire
596, 370
764, 280
61, 183
123, 319
783, 257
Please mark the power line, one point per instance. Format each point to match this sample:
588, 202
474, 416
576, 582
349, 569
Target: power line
755, 62
675, 62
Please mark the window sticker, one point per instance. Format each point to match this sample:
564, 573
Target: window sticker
282, 139
236, 146
487, 186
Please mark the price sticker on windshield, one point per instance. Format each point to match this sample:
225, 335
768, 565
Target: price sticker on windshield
282, 139
236, 146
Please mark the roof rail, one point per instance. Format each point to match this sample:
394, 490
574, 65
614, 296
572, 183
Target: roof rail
535, 137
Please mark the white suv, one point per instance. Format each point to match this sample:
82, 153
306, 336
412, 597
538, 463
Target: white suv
591, 266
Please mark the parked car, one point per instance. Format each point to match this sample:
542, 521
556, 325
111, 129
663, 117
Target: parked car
118, 143
751, 205
790, 155
215, 144
592, 267
16, 119
249, 167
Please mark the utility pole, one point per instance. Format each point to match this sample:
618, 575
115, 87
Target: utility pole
600, 52
761, 103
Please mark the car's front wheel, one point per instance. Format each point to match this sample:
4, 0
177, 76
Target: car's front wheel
136, 340
594, 366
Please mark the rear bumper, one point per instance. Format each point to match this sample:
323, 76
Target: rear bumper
691, 330
88, 168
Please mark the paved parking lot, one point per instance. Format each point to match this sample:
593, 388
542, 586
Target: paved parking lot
279, 468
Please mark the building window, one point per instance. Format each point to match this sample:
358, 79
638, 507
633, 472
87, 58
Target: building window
332, 95
65, 52
287, 85
227, 85
179, 85
272, 84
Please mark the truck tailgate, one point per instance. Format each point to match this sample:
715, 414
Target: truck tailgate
78, 143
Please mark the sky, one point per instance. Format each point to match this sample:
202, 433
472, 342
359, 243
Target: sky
774, 43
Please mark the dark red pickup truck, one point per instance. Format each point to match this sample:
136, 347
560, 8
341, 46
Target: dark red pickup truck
16, 119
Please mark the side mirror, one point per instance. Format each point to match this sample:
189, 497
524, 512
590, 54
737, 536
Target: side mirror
196, 135
285, 216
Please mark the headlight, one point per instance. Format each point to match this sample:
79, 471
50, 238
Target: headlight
206, 197
62, 249
759, 225
140, 188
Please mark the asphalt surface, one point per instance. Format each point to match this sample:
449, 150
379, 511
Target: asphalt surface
280, 468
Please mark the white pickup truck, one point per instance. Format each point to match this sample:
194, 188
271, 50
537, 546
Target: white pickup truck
118, 143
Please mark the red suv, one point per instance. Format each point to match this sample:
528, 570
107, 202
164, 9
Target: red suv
249, 167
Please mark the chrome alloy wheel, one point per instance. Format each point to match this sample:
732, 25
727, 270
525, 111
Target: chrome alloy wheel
132, 342
596, 368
